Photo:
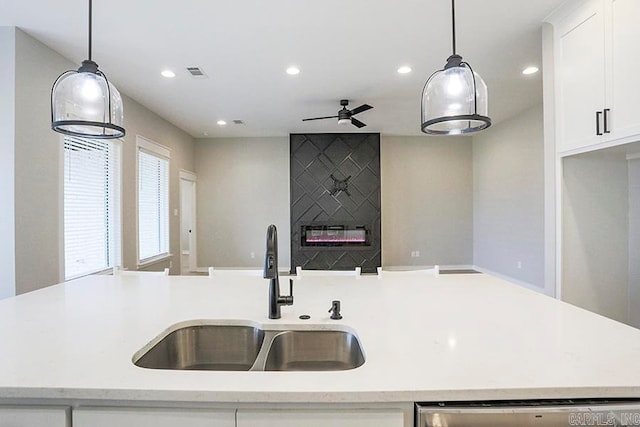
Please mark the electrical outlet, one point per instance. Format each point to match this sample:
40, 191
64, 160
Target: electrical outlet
253, 255
519, 264
415, 254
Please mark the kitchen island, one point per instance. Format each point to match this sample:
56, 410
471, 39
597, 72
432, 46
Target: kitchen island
425, 338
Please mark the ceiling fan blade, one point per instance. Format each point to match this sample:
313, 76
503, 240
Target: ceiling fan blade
320, 118
360, 109
357, 123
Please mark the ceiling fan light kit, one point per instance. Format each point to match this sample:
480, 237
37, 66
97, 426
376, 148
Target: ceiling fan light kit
345, 116
84, 103
454, 99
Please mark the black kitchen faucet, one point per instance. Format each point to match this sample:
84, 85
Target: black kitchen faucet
271, 273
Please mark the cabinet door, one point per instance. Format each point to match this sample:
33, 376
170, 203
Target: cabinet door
625, 68
148, 417
320, 418
580, 44
34, 417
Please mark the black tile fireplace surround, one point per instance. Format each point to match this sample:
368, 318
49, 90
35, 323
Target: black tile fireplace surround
335, 201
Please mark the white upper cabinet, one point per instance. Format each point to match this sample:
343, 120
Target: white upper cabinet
597, 84
625, 68
580, 76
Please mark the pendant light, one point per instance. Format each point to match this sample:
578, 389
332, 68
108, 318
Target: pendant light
84, 103
454, 99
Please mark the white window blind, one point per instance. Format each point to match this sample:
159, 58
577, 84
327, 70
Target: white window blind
92, 212
153, 206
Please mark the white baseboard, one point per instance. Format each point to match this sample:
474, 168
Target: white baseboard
281, 270
424, 267
510, 279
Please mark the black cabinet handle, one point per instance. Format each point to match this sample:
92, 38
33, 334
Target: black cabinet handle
598, 115
606, 120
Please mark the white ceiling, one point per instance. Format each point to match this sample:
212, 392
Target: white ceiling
345, 49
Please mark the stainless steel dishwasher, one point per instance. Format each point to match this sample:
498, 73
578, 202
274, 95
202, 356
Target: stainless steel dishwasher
540, 413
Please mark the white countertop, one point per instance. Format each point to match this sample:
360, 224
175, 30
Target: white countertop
452, 337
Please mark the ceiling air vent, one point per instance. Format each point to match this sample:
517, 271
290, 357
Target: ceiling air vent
196, 72
238, 122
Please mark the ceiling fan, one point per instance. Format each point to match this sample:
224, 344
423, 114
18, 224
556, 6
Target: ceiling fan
345, 115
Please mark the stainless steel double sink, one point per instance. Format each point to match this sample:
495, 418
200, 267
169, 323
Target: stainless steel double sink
244, 347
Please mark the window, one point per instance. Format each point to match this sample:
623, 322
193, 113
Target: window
92, 211
153, 201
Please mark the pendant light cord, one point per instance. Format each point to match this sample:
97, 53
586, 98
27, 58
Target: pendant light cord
453, 24
90, 27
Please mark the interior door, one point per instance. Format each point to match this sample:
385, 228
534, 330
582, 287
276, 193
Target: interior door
188, 248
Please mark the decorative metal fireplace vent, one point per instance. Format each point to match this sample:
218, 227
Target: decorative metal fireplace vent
334, 235
340, 185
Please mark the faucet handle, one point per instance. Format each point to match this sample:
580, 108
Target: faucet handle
287, 299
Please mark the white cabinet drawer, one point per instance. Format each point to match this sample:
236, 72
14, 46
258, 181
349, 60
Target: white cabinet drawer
321, 418
150, 417
34, 417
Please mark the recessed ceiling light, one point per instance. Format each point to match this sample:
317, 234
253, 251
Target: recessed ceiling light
293, 71
221, 123
404, 69
530, 70
168, 74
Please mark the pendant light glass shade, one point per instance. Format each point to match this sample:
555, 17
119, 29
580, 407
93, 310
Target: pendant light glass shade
85, 104
455, 99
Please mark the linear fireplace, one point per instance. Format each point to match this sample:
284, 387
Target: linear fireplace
334, 235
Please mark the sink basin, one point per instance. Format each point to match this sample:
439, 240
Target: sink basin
206, 347
314, 350
247, 347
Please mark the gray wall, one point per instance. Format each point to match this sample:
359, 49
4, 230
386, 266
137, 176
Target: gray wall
427, 184
634, 242
38, 183
38, 149
140, 121
7, 161
595, 236
427, 200
508, 198
243, 186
